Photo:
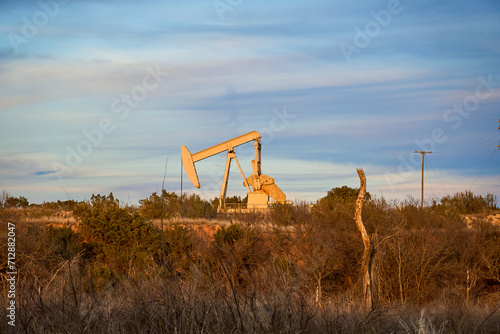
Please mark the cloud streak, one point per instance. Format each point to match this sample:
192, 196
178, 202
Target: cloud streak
228, 77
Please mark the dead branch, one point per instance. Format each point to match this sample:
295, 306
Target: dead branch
369, 249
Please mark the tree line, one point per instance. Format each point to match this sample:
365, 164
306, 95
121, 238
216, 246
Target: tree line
171, 204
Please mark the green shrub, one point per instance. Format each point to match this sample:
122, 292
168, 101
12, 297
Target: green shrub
115, 237
468, 203
153, 206
65, 241
228, 235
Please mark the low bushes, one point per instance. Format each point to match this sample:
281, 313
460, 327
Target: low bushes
296, 269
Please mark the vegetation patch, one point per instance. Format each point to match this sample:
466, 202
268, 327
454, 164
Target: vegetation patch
294, 269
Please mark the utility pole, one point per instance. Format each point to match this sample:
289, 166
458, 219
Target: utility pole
499, 130
422, 188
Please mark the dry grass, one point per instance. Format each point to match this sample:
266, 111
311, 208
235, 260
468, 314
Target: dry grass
264, 283
71, 305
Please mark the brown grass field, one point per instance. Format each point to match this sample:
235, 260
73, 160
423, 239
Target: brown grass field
293, 270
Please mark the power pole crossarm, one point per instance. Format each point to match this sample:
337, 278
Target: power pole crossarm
422, 187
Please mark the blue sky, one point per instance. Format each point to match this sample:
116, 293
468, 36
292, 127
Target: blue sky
97, 95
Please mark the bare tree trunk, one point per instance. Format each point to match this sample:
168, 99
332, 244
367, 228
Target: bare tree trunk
369, 252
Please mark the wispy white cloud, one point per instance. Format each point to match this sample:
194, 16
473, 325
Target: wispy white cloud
227, 77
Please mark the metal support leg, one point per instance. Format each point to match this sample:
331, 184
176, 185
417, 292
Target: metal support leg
223, 192
245, 182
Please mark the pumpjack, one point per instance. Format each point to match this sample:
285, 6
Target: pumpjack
262, 186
